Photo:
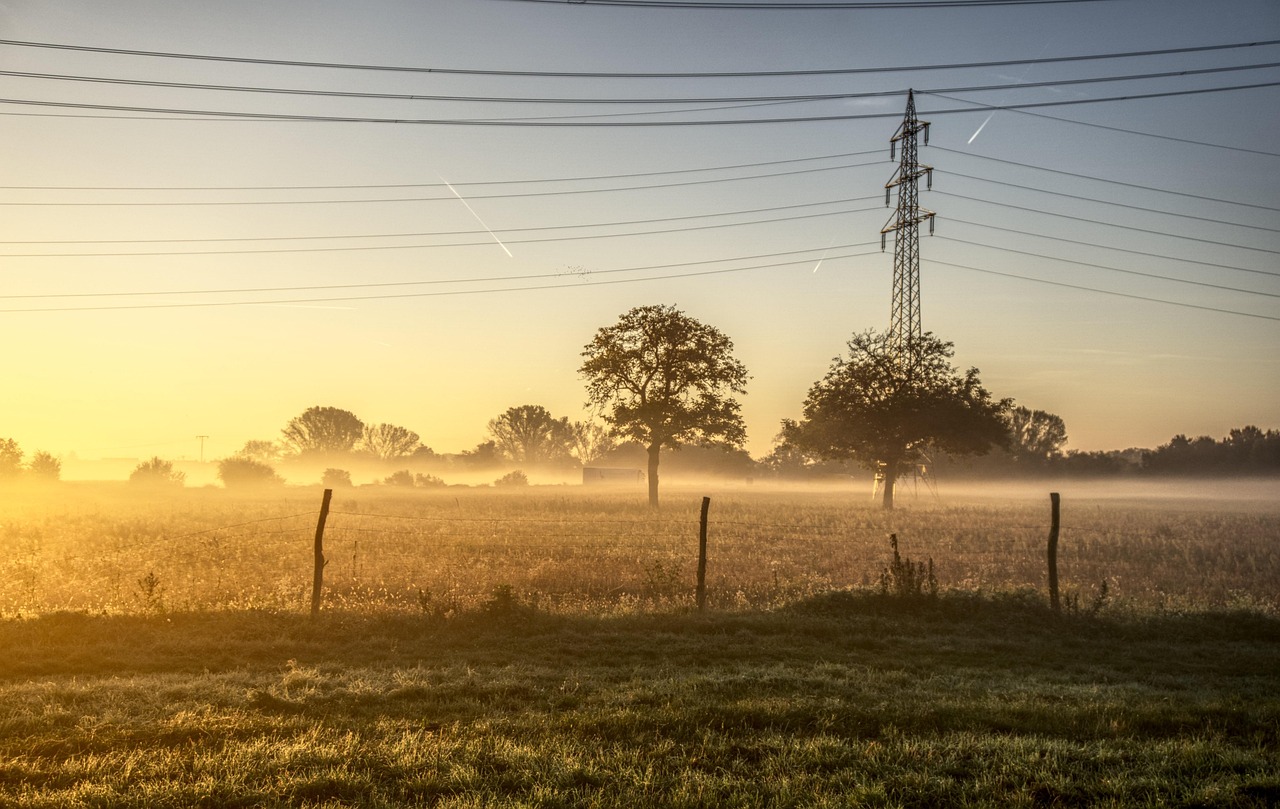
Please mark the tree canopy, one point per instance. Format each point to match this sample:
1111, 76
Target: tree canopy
883, 408
389, 442
663, 378
529, 434
322, 430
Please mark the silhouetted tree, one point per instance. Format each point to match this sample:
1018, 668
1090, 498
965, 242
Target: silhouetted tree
1245, 450
1035, 437
267, 452
10, 458
241, 473
336, 479
45, 467
883, 408
389, 442
530, 434
323, 430
590, 441
664, 379
157, 472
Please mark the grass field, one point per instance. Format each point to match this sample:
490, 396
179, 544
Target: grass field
540, 649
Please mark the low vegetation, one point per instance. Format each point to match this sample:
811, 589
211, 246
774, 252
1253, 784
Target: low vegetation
541, 648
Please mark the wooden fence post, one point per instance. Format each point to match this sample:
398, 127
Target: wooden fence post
1053, 552
702, 555
317, 582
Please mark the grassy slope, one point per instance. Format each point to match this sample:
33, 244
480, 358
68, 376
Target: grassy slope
840, 701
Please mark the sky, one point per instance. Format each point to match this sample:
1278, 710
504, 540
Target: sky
428, 261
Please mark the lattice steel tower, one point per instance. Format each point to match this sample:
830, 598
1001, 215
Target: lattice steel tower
904, 319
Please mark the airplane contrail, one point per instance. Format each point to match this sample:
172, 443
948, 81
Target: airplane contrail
477, 216
981, 127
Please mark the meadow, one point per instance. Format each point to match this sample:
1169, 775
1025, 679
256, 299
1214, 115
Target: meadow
541, 647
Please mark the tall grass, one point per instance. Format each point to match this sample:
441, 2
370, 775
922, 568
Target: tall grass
574, 550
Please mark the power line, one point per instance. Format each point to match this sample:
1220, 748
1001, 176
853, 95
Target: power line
980, 105
1106, 291
651, 75
789, 98
562, 192
437, 281
145, 111
1112, 224
456, 185
1114, 269
1106, 180
951, 173
486, 242
1107, 247
737, 5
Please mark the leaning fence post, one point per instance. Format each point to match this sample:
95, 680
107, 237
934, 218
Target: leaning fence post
702, 555
1053, 551
317, 583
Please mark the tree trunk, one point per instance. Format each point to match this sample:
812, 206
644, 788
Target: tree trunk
653, 473
890, 479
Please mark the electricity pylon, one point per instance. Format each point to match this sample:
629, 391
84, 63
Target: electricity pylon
904, 317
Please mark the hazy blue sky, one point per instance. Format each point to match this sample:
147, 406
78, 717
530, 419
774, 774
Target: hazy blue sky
452, 352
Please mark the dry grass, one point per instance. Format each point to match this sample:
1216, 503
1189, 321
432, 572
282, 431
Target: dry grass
568, 549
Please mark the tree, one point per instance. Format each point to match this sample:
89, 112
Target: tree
243, 473
336, 479
388, 442
157, 472
1035, 437
10, 458
530, 434
259, 450
664, 379
884, 409
323, 430
44, 466
590, 441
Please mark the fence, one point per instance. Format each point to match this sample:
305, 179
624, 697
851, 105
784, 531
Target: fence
440, 554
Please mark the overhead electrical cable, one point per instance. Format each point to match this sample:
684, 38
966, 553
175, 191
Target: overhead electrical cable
1132, 228
649, 75
791, 98
981, 106
738, 5
554, 193
448, 293
1138, 273
1105, 179
524, 122
487, 242
1104, 291
1109, 247
950, 173
437, 281
460, 184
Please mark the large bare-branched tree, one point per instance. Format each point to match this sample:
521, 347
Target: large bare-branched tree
529, 434
883, 408
590, 441
664, 379
326, 430
388, 442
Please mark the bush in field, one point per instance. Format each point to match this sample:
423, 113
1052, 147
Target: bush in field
236, 473
44, 467
402, 478
428, 481
336, 479
157, 472
516, 478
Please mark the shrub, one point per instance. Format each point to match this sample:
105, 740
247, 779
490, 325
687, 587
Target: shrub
336, 479
402, 478
157, 472
246, 472
45, 467
428, 481
516, 478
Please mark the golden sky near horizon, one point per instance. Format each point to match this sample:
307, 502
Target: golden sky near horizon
1127, 282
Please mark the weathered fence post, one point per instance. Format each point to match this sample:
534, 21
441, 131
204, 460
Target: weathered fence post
1053, 552
317, 583
702, 555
